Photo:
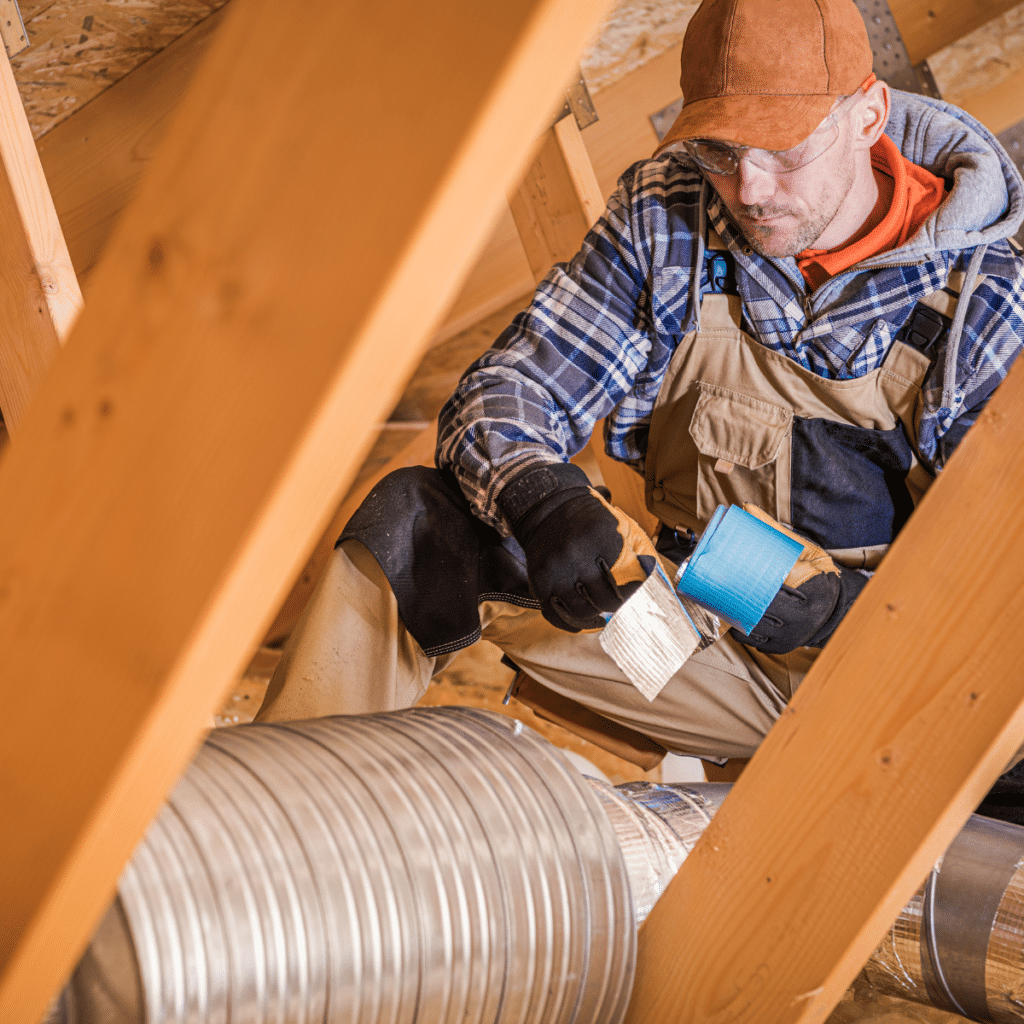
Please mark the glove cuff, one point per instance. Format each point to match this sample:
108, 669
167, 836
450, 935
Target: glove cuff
533, 485
851, 583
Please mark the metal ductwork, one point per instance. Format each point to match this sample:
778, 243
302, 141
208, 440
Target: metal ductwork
959, 943
438, 864
449, 865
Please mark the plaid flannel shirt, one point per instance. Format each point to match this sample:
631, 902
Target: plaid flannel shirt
600, 332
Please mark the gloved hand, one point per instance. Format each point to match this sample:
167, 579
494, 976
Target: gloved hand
583, 556
814, 597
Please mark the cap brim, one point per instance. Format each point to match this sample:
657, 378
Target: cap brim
764, 122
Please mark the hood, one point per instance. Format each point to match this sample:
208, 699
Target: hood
986, 201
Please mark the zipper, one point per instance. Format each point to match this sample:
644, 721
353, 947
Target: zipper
808, 305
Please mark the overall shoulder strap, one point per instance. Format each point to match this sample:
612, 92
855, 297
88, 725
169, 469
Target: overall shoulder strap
932, 317
719, 265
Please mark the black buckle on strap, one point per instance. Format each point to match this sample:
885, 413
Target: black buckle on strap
925, 328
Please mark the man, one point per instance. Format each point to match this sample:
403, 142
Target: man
785, 307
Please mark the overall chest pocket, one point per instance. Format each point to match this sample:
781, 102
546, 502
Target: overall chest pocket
742, 446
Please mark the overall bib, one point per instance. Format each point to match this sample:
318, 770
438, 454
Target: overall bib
735, 422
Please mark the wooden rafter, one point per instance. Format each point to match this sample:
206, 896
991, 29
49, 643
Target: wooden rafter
189, 445
999, 108
95, 158
558, 199
40, 294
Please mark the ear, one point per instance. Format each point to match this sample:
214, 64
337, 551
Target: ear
871, 115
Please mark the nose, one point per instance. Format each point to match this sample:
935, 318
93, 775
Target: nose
754, 184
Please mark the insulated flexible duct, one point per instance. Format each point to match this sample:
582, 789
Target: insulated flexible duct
446, 864
958, 945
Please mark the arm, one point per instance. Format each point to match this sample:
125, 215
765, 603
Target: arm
533, 399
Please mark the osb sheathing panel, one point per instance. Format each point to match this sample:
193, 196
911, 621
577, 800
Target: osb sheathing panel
982, 60
636, 32
79, 49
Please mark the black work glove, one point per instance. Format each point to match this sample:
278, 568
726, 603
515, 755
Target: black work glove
583, 556
814, 597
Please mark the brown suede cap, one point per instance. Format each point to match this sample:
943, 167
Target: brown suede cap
765, 73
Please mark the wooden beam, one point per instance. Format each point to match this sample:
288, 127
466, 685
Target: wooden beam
78, 50
999, 108
558, 199
189, 444
622, 136
929, 25
95, 158
434, 380
40, 294
623, 132
910, 713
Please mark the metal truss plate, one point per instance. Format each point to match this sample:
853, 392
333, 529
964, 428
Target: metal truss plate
664, 118
892, 63
578, 103
12, 28
927, 80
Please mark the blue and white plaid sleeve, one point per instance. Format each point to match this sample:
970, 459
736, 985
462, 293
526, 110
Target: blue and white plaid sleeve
561, 365
993, 338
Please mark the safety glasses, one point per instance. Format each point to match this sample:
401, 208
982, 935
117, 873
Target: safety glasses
721, 158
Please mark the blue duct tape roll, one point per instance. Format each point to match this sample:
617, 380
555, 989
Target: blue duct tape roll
738, 566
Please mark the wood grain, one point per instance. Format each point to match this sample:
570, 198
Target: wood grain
434, 380
999, 108
911, 712
580, 170
547, 208
41, 298
624, 134
188, 446
929, 25
95, 159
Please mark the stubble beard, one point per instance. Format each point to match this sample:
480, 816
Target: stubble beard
791, 238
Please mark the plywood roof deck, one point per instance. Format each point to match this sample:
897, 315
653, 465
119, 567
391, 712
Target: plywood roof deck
80, 49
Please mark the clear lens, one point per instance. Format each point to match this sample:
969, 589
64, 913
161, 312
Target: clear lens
721, 158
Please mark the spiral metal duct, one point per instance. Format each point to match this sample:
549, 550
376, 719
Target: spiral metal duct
656, 826
433, 865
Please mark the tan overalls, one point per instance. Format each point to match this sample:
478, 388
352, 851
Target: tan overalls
720, 433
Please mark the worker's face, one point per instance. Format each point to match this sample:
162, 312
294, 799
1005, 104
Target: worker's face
783, 213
